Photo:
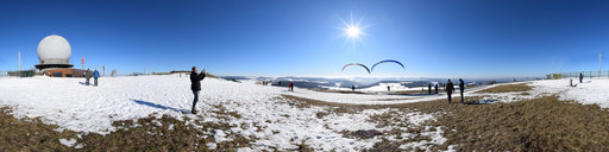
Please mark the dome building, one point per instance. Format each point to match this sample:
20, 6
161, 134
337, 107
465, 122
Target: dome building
54, 53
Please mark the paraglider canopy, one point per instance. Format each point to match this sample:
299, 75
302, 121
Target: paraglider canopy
385, 61
357, 64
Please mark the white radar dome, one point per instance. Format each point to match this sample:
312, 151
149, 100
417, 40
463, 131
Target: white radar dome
54, 49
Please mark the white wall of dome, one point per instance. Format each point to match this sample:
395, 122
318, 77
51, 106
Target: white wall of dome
54, 49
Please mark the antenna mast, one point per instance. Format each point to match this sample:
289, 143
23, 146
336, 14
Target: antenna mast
19, 63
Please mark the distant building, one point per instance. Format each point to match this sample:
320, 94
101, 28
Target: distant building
174, 72
24, 73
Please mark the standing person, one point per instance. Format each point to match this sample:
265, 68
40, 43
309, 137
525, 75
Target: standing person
95, 76
581, 78
461, 88
195, 86
87, 76
436, 87
449, 90
429, 88
290, 87
388, 89
352, 88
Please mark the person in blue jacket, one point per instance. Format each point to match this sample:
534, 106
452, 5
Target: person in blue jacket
95, 76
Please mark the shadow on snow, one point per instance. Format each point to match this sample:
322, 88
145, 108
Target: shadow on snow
158, 106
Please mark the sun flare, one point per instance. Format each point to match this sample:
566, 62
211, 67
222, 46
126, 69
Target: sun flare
353, 31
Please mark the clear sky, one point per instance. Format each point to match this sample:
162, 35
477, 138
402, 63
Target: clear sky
292, 37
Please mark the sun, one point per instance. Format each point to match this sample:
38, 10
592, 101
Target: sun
353, 31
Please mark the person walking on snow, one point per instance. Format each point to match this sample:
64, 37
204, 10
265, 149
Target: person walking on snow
581, 78
195, 86
87, 76
95, 76
449, 90
436, 87
461, 88
388, 89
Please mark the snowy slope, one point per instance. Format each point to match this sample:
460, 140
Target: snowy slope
72, 105
591, 91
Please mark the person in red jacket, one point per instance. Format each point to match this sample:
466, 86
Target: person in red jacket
291, 87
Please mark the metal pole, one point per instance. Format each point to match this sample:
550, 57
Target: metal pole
19, 63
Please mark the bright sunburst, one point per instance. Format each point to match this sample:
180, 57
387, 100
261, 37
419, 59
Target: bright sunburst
352, 30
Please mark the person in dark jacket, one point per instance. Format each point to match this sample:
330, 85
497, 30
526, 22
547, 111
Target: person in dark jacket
461, 88
429, 88
352, 88
388, 89
195, 86
436, 87
449, 90
87, 76
95, 76
581, 78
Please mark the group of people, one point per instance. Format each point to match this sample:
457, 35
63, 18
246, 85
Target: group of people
429, 88
450, 88
291, 87
196, 78
88, 75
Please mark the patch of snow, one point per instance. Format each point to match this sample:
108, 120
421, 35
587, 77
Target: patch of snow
417, 118
67, 142
211, 146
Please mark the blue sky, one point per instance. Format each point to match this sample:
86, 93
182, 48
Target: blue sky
280, 38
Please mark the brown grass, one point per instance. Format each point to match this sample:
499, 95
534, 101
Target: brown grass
414, 92
29, 134
340, 91
542, 124
33, 135
507, 88
150, 137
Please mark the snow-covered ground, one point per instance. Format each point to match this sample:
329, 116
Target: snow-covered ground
591, 91
70, 104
